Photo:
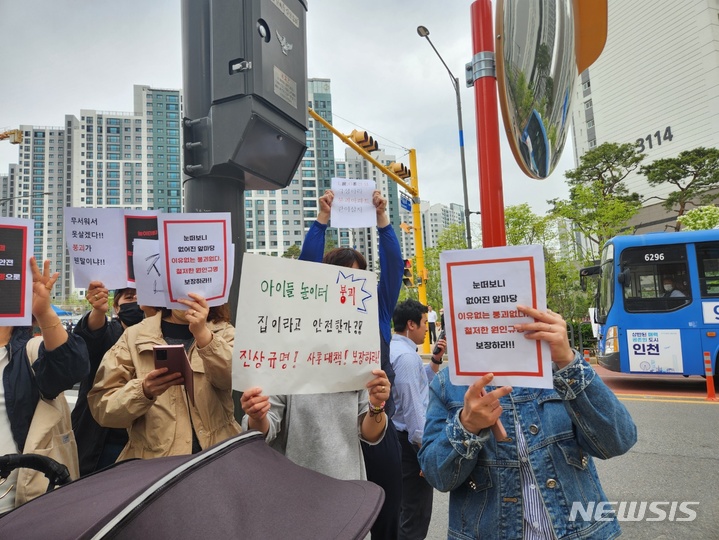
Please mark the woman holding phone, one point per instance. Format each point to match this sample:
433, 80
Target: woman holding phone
153, 403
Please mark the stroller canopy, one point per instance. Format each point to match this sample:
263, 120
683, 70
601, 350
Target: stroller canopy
240, 488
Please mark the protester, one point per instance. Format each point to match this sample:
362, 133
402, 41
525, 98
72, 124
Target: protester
411, 396
62, 361
524, 486
97, 446
383, 460
152, 404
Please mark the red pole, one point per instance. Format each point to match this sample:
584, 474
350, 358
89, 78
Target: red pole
491, 198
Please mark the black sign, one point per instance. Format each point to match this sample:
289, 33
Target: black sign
143, 227
13, 264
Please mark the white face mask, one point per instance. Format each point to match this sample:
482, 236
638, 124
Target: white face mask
668, 287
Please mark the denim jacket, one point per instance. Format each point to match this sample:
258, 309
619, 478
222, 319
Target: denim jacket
563, 427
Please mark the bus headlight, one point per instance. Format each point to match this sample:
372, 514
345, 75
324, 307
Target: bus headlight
611, 344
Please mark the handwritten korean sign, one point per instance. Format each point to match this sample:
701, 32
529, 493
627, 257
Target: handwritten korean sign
304, 328
352, 204
15, 279
94, 237
481, 291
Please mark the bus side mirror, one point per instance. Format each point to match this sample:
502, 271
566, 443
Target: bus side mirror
623, 277
586, 272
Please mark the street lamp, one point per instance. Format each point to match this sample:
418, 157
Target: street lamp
423, 32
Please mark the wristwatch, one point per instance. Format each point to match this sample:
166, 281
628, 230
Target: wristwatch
438, 362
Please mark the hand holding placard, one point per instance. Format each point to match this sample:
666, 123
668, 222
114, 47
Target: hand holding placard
482, 410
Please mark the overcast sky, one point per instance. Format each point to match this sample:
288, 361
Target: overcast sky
60, 56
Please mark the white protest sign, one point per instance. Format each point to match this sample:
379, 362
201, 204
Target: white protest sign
481, 291
150, 273
95, 238
195, 249
16, 238
304, 327
352, 204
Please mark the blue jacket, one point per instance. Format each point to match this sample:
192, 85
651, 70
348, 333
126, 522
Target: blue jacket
52, 373
391, 267
563, 428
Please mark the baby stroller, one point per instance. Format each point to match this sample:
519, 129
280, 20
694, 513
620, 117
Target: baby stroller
240, 488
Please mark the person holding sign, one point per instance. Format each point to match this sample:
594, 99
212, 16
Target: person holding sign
97, 446
384, 460
35, 372
151, 403
524, 486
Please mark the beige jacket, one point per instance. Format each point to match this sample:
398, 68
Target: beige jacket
161, 427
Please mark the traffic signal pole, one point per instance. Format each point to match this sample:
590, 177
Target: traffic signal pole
412, 188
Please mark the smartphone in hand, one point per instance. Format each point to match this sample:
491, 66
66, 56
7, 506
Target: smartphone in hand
441, 336
174, 358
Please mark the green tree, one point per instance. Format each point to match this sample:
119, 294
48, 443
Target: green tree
292, 252
599, 204
564, 294
695, 173
700, 219
453, 237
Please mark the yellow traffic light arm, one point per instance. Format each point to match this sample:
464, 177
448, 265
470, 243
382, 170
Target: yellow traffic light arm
15, 136
357, 148
413, 190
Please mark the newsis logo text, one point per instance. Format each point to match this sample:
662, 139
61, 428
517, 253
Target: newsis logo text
634, 511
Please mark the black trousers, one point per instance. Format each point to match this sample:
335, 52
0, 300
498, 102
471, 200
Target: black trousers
417, 494
432, 332
383, 462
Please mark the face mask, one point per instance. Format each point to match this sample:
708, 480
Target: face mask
668, 287
130, 314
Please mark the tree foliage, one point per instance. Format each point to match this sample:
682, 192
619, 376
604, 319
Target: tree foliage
599, 203
564, 294
453, 237
292, 252
699, 219
694, 173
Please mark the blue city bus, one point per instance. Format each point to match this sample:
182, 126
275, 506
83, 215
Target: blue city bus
657, 302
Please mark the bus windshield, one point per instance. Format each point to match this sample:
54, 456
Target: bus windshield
655, 278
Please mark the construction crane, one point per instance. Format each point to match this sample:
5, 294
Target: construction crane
14, 135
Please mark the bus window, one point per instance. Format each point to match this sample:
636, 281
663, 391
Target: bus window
655, 278
708, 269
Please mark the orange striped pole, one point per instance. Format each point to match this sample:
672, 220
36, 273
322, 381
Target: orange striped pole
711, 394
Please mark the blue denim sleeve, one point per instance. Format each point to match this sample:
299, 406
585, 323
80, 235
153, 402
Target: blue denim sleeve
604, 426
313, 248
449, 452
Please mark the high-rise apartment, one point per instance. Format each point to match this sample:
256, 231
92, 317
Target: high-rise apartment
100, 160
435, 219
655, 85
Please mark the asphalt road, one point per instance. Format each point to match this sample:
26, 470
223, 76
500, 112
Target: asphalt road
676, 459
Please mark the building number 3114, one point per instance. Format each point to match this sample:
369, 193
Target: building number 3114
642, 147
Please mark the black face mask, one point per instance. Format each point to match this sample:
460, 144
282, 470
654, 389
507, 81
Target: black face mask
130, 314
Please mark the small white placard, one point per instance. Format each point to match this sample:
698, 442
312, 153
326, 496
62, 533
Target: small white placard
352, 204
481, 291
